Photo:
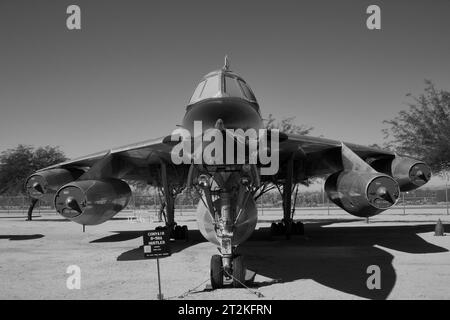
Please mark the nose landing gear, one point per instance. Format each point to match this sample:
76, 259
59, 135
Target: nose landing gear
231, 217
216, 271
233, 273
231, 266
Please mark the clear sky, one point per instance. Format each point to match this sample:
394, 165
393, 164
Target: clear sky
127, 75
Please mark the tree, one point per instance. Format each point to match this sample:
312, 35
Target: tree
18, 163
423, 131
287, 125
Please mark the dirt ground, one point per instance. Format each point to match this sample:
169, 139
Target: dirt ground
329, 262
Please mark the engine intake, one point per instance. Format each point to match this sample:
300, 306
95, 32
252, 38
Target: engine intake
409, 173
91, 202
44, 184
362, 194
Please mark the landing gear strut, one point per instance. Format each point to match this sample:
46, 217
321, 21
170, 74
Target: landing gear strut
176, 232
231, 213
288, 226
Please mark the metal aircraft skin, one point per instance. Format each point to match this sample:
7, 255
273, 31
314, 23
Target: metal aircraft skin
361, 180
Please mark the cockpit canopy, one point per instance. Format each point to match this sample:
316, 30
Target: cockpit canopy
222, 83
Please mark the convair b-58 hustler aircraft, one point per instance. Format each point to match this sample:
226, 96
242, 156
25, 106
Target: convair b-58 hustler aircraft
361, 180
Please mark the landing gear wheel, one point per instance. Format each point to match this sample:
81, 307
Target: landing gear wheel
238, 272
273, 229
281, 228
288, 230
216, 273
184, 232
300, 228
294, 227
177, 232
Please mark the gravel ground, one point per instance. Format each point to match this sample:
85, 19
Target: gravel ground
330, 262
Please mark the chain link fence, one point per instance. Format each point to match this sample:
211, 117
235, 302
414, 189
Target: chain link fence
270, 202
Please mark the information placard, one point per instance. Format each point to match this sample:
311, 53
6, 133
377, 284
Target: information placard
156, 244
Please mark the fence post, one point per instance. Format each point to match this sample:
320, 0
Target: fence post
446, 191
404, 205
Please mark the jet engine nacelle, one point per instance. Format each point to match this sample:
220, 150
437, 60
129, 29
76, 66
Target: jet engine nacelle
90, 202
44, 184
409, 173
362, 194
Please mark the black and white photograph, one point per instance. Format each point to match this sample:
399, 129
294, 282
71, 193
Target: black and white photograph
246, 151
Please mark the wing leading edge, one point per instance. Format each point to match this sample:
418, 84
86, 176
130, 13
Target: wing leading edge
316, 156
137, 157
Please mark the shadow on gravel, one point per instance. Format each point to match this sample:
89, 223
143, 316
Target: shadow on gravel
332, 255
194, 236
336, 256
22, 237
119, 236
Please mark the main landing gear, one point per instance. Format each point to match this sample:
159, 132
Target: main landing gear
168, 209
287, 228
176, 232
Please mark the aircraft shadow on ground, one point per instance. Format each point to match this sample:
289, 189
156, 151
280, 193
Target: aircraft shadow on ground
337, 256
334, 256
14, 237
194, 237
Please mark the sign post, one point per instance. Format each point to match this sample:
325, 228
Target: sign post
156, 245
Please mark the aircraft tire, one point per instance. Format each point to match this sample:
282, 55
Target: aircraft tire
238, 271
177, 232
294, 228
184, 231
281, 228
216, 273
273, 229
300, 228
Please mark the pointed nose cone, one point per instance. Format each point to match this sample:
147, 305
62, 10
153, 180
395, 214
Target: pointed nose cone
381, 191
73, 204
37, 186
384, 194
421, 175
